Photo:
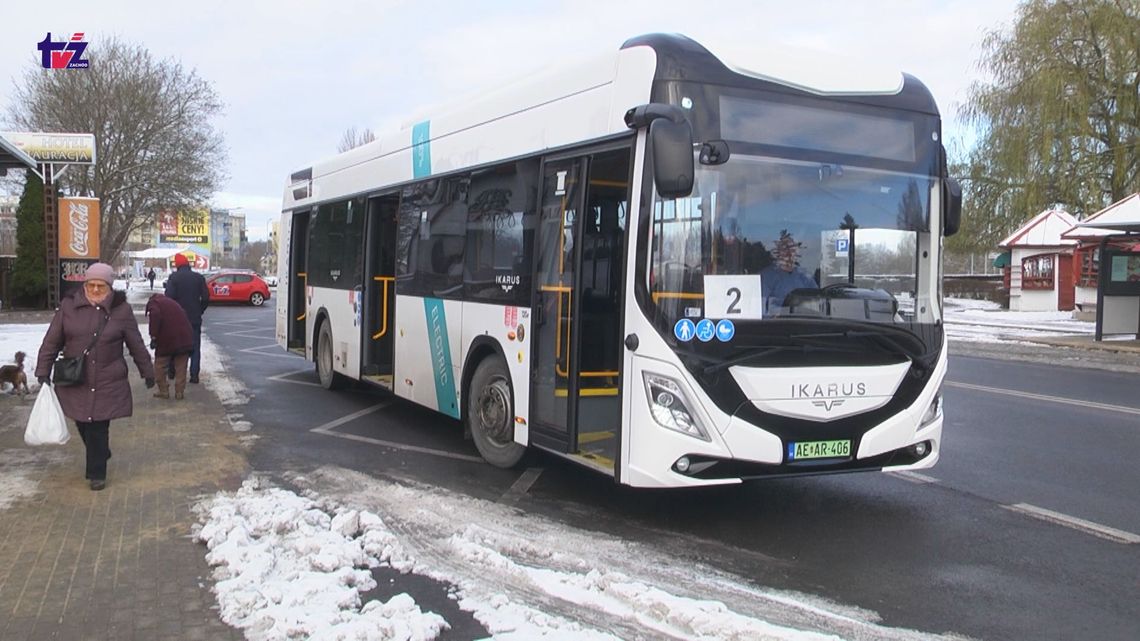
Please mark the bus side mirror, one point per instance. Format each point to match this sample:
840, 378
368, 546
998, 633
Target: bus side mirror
671, 144
952, 219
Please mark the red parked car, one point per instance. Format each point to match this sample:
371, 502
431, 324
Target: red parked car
237, 287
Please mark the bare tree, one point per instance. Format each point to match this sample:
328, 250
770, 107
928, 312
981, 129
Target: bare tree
157, 147
351, 139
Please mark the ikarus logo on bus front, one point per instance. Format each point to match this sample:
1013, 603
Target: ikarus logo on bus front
819, 393
828, 395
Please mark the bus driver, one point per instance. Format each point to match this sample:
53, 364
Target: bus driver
784, 274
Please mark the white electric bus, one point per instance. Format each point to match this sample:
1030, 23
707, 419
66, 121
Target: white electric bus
674, 265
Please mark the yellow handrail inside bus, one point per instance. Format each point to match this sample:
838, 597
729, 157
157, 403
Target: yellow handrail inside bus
560, 289
682, 295
383, 314
609, 183
302, 276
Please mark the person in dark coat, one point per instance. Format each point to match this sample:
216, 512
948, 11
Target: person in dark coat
151, 276
172, 339
105, 393
188, 288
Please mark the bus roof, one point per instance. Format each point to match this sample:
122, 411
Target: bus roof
584, 101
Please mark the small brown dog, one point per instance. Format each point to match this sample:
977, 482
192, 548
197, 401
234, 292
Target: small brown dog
15, 376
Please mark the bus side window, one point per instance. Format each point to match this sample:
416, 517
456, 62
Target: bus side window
433, 226
501, 213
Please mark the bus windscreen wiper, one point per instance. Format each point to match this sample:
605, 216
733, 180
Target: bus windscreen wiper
761, 351
885, 335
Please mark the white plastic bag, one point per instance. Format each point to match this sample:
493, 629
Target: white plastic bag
47, 425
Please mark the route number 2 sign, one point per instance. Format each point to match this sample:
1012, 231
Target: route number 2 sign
733, 297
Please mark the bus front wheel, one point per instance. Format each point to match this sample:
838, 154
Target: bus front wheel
491, 414
329, 378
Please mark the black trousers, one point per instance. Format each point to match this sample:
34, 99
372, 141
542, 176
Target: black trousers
97, 438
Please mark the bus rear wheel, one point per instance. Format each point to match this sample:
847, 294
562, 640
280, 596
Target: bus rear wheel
491, 414
329, 378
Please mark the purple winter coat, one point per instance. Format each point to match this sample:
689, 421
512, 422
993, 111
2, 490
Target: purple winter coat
106, 392
169, 326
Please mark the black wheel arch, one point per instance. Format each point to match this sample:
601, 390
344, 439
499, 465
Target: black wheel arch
480, 348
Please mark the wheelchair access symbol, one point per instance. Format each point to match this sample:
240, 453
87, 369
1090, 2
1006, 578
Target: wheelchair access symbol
684, 330
705, 330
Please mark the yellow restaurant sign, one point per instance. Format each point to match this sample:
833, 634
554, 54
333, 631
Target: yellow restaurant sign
75, 149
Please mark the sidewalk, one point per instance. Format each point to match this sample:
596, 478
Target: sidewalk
116, 564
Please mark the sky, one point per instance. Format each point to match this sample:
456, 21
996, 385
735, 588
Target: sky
294, 563
294, 75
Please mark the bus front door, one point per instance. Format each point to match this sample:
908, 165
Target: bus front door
576, 358
379, 290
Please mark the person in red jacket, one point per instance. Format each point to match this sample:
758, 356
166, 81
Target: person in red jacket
172, 339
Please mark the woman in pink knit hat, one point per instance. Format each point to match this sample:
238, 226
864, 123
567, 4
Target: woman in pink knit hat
96, 322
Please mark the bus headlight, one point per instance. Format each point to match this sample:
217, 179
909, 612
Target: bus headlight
670, 406
934, 412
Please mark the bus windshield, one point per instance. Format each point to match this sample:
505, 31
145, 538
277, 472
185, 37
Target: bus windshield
764, 238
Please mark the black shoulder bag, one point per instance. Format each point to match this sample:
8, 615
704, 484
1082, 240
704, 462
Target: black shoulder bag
68, 370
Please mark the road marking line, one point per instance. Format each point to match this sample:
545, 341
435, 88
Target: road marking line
327, 430
1052, 399
245, 333
400, 446
914, 477
244, 321
1081, 525
279, 354
281, 377
521, 486
350, 417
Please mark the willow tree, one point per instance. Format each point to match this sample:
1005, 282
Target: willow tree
156, 144
1058, 120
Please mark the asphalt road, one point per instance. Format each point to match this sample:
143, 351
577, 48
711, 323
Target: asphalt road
1028, 528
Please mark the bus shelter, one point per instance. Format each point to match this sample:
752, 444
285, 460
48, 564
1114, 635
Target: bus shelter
1118, 283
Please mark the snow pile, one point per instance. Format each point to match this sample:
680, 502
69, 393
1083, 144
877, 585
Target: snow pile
229, 390
288, 569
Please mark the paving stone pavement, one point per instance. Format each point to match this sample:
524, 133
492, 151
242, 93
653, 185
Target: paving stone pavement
117, 564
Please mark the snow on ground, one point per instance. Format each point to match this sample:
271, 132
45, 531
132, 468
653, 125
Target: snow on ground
980, 311
288, 569
217, 379
20, 466
291, 567
980, 321
21, 471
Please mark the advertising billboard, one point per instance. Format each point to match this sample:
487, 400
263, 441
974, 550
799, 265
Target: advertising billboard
72, 149
78, 227
184, 227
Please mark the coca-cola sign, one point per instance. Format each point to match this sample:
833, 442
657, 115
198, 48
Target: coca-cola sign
79, 228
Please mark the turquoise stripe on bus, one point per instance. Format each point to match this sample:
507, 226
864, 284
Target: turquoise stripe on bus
440, 349
421, 149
